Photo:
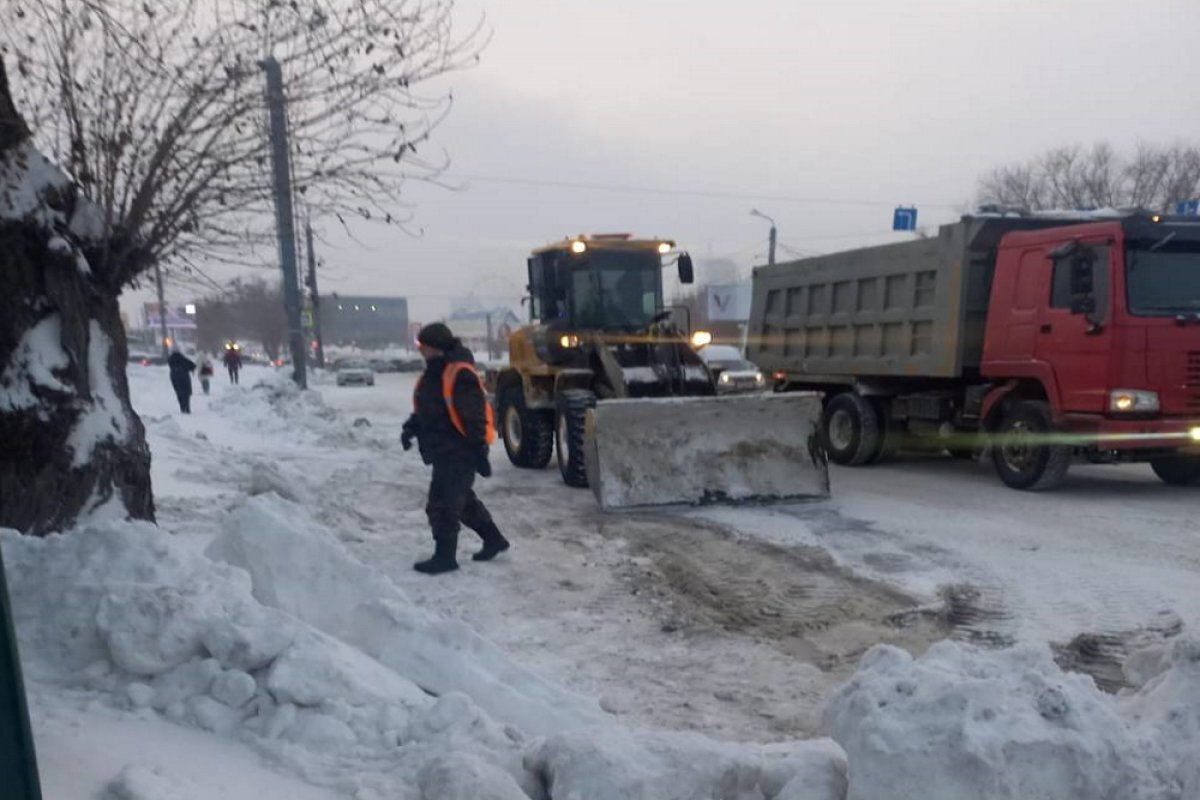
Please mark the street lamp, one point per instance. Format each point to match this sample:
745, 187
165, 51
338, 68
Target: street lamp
754, 212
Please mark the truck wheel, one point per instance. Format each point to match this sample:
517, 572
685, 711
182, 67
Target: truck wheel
570, 435
528, 434
1023, 462
1177, 470
852, 429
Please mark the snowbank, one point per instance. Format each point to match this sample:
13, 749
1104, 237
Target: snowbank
1166, 708
962, 722
621, 765
298, 567
275, 404
130, 617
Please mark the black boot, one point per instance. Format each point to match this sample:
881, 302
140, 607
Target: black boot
494, 544
443, 560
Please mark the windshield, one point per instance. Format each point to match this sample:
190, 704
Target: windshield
733, 366
616, 289
1165, 281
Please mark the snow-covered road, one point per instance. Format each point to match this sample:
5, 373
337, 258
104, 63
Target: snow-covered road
1113, 551
724, 600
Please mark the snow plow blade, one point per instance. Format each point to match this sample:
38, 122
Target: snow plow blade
700, 450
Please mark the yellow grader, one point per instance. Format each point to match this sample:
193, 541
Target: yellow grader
604, 378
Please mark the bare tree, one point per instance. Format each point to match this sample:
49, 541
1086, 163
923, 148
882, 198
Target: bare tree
1152, 177
71, 440
155, 112
247, 310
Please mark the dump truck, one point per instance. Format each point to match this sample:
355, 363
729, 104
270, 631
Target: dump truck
606, 379
1037, 340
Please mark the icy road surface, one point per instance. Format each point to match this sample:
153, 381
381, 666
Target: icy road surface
734, 621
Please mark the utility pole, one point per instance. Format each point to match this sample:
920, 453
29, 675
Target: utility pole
284, 219
754, 212
162, 311
491, 351
313, 295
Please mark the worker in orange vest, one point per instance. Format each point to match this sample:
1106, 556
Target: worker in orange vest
453, 425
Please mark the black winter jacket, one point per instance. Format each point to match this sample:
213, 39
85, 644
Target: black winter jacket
436, 435
181, 368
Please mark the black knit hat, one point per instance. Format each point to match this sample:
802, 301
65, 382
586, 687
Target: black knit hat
436, 334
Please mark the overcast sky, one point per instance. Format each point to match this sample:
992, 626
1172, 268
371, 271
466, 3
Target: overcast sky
824, 115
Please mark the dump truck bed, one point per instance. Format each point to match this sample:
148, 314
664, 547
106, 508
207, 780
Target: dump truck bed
914, 309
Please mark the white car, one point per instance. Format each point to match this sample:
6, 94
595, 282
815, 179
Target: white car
730, 369
355, 373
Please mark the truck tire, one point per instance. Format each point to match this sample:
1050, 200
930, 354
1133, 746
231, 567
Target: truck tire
570, 435
528, 434
1177, 470
1020, 461
852, 429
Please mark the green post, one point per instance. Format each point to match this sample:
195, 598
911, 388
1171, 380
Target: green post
18, 761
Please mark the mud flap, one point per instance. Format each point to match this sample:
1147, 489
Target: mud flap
699, 450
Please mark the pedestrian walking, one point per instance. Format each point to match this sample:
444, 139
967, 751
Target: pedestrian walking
181, 378
452, 423
233, 361
204, 369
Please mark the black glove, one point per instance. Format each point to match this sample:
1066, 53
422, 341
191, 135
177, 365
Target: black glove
482, 465
408, 433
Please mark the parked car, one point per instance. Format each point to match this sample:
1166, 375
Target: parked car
730, 369
408, 364
355, 373
383, 365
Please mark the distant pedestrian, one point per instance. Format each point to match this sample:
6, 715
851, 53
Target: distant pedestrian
181, 378
233, 362
204, 369
452, 423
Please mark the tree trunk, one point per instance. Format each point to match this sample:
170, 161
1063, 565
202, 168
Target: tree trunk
70, 441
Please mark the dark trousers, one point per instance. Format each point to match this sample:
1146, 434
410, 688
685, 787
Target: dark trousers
233, 374
183, 393
452, 503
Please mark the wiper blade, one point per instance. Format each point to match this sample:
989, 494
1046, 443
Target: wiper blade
1162, 241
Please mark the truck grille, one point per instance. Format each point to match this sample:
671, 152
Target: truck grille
1192, 380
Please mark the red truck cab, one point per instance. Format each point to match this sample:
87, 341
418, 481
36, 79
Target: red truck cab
1092, 345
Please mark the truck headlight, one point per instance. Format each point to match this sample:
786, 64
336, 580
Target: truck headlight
701, 339
725, 378
759, 378
1195, 434
1132, 401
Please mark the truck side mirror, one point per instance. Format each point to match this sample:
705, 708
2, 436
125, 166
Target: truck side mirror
686, 272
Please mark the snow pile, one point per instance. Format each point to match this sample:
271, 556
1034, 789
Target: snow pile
142, 623
275, 404
620, 765
963, 722
297, 566
1166, 707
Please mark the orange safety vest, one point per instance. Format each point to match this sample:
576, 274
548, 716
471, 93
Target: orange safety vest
449, 375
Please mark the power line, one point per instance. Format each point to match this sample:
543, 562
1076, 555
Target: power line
729, 195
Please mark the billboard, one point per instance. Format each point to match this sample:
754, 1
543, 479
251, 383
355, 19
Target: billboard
177, 317
728, 302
